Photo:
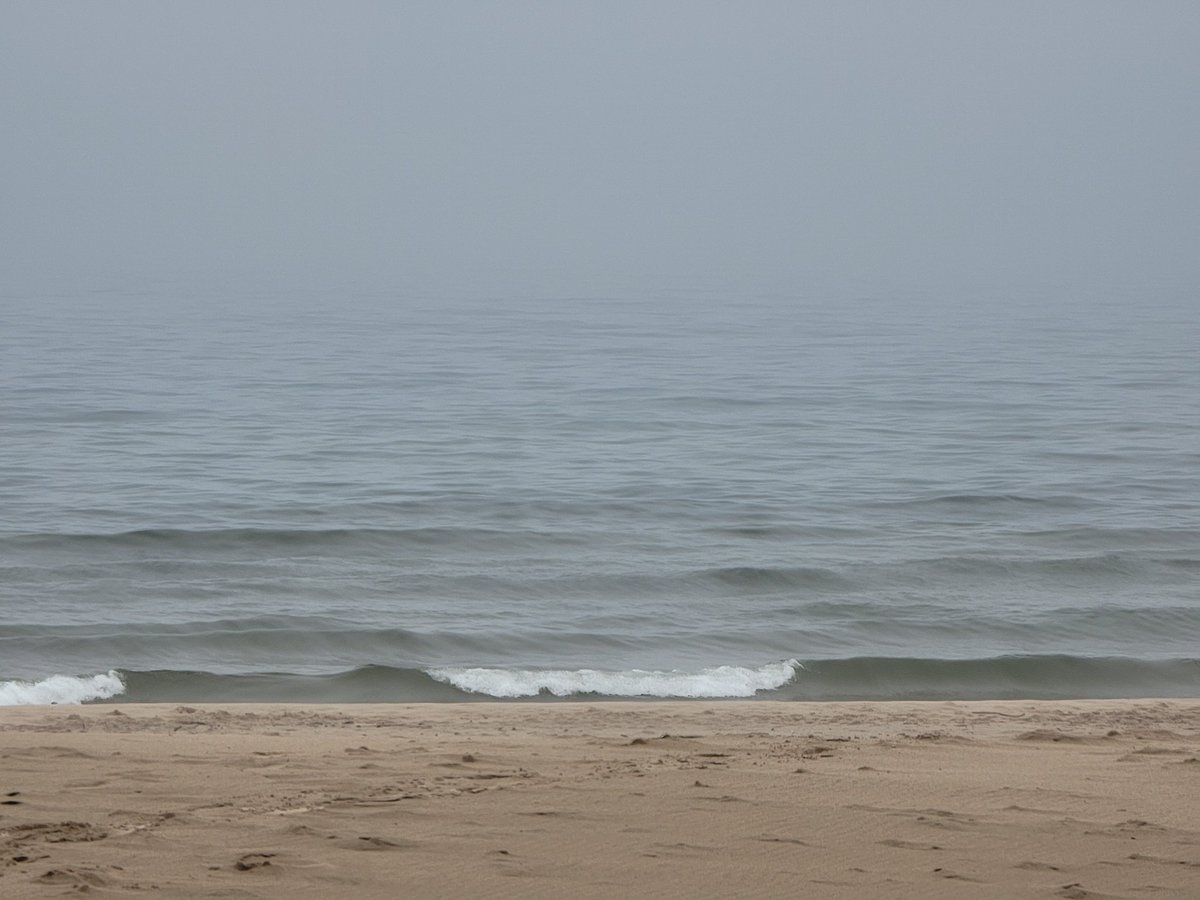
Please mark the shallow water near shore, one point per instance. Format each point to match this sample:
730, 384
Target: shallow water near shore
371, 496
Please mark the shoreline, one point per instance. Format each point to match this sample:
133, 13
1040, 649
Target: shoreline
1009, 798
846, 679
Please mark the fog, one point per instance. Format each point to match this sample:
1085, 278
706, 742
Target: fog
583, 148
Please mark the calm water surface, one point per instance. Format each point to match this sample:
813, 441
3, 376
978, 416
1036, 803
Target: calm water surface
379, 496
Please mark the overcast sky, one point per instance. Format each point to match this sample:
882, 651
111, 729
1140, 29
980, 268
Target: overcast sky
574, 146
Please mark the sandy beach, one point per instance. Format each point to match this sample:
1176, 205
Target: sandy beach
756, 799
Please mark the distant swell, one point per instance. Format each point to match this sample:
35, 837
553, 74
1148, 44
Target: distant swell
1065, 501
292, 540
753, 578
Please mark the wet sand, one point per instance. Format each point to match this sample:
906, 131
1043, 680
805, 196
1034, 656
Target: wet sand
658, 799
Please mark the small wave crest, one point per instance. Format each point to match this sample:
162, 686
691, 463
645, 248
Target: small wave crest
761, 578
718, 681
65, 689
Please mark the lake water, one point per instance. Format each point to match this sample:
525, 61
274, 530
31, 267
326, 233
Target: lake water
378, 496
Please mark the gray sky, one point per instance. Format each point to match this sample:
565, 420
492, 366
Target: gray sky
583, 147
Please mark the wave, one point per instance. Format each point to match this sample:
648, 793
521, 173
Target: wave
1043, 677
323, 541
1100, 569
1111, 566
384, 684
1016, 677
715, 682
757, 577
63, 689
974, 500
773, 624
1159, 537
293, 540
309, 644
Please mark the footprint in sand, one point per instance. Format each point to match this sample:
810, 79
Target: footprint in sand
79, 879
370, 842
253, 861
57, 832
908, 845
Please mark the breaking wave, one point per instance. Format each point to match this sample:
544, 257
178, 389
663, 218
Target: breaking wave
715, 682
64, 689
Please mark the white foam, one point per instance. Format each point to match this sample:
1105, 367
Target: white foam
719, 681
66, 689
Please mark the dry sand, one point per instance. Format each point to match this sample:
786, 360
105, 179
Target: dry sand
745, 799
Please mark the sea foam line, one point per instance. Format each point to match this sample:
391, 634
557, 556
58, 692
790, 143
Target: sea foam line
65, 689
718, 681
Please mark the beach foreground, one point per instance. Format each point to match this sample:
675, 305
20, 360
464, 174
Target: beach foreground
657, 799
